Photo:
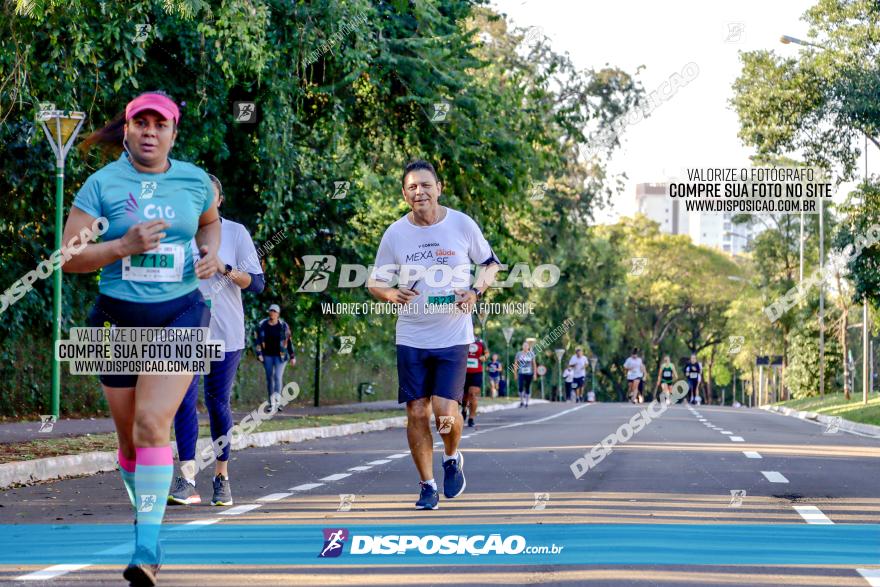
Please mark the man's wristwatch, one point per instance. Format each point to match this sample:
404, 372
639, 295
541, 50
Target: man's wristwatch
478, 292
228, 270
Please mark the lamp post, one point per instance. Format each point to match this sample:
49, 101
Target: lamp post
482, 316
593, 360
559, 354
786, 39
327, 234
508, 334
61, 128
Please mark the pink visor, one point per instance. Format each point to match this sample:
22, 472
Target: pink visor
156, 102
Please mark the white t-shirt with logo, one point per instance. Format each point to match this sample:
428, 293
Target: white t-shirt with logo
633, 366
227, 313
579, 365
457, 242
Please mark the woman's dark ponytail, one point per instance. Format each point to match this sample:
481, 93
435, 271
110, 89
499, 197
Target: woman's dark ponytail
108, 138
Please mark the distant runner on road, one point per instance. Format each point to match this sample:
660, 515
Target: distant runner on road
568, 377
495, 369
693, 372
473, 384
665, 376
525, 366
635, 373
433, 340
578, 364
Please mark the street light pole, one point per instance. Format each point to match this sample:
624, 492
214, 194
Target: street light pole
559, 354
865, 345
786, 39
64, 128
593, 360
821, 299
508, 334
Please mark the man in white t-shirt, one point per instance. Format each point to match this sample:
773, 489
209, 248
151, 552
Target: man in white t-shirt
578, 364
428, 254
635, 372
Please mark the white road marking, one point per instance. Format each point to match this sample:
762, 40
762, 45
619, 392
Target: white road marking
379, 462
812, 515
359, 468
872, 576
51, 572
305, 486
737, 439
728, 432
467, 436
274, 497
399, 455
544, 419
336, 477
750, 454
241, 509
188, 526
774, 476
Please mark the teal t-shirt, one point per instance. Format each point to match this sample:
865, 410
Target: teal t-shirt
127, 197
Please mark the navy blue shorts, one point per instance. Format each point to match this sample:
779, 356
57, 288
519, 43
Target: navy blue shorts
427, 372
577, 382
188, 311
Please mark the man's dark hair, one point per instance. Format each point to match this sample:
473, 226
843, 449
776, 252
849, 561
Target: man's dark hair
416, 165
635, 350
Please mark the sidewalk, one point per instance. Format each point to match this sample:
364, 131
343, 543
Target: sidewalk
27, 472
67, 428
833, 423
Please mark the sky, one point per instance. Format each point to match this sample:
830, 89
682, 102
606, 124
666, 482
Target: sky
695, 127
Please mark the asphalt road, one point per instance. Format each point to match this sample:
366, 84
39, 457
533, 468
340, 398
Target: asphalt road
680, 469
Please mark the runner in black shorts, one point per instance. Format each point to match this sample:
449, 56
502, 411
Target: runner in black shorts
693, 372
154, 206
473, 384
434, 332
495, 368
525, 365
665, 376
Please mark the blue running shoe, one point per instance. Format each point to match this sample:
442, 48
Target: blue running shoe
453, 476
429, 497
143, 570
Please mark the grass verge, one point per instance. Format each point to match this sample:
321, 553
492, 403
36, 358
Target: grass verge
53, 447
836, 405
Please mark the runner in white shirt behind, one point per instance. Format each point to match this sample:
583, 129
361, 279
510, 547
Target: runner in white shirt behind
424, 255
578, 364
635, 372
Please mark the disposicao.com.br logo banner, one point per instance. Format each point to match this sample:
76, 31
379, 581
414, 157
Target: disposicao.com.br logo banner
435, 544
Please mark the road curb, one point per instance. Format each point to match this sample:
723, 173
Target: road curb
91, 463
846, 425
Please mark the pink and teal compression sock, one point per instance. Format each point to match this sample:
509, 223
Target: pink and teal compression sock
152, 481
126, 469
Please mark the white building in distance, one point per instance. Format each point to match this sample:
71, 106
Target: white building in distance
710, 229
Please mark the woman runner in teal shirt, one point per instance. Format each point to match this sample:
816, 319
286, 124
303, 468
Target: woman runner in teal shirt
155, 205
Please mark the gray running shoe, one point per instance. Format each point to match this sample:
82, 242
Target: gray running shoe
183, 493
222, 492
